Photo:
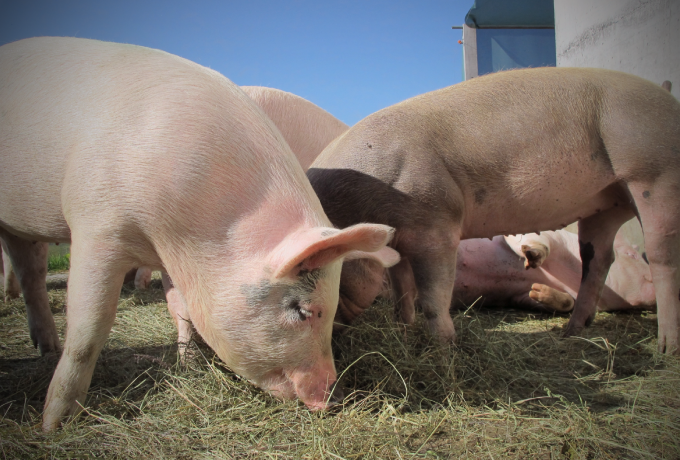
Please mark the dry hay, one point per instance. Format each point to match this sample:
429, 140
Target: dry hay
512, 389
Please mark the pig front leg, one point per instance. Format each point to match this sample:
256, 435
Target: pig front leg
95, 280
11, 283
29, 260
659, 209
596, 235
432, 256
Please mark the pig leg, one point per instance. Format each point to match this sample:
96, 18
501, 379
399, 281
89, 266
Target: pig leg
534, 256
12, 287
143, 278
130, 276
433, 259
95, 280
29, 259
180, 314
660, 217
596, 242
403, 283
550, 299
533, 247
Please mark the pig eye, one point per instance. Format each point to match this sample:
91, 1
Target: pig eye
302, 312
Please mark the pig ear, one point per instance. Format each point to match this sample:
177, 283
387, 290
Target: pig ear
387, 257
320, 246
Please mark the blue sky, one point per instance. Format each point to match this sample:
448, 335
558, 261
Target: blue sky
350, 57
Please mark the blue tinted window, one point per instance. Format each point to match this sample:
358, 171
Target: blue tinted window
502, 49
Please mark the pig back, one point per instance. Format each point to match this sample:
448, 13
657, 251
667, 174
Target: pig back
522, 139
127, 131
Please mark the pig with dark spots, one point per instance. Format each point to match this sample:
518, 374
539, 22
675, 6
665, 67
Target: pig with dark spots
548, 146
138, 157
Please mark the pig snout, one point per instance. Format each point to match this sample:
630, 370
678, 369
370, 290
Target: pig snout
316, 386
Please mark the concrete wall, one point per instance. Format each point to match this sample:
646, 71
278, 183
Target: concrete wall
641, 37
470, 52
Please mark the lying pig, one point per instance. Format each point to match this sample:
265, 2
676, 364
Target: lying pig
547, 280
138, 157
513, 152
306, 127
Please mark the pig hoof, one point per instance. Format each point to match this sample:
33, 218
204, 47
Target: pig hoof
406, 315
444, 331
574, 327
667, 345
11, 295
46, 342
534, 255
571, 331
551, 298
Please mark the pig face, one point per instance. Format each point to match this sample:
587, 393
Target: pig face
277, 330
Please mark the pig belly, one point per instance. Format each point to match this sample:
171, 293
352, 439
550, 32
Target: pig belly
506, 211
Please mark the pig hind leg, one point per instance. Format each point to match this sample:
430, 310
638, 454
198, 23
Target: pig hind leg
29, 261
596, 242
11, 283
659, 210
98, 267
545, 298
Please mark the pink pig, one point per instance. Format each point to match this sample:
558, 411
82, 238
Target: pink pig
506, 153
531, 271
138, 157
550, 275
306, 127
